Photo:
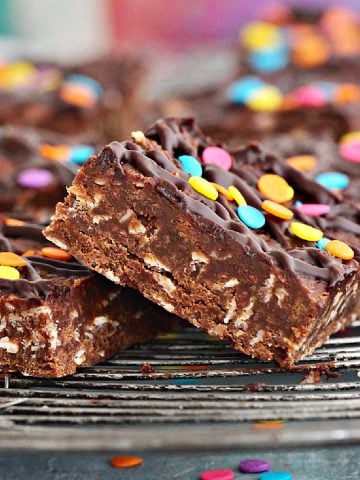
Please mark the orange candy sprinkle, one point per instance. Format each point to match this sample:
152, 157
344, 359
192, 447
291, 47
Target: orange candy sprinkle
310, 51
13, 222
269, 425
10, 259
302, 162
56, 254
277, 210
347, 93
30, 253
339, 249
81, 97
223, 191
125, 461
58, 153
275, 188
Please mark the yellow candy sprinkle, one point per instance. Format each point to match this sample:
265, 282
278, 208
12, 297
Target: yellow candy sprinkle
265, 99
260, 35
339, 249
10, 259
306, 232
349, 137
9, 273
203, 187
17, 74
138, 136
237, 196
277, 210
275, 188
302, 162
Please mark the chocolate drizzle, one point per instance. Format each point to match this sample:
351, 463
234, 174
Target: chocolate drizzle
38, 276
169, 138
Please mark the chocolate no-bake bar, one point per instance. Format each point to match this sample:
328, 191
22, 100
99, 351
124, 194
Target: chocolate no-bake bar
57, 315
215, 258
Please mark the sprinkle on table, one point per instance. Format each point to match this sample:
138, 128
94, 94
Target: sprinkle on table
203, 187
237, 195
254, 465
269, 425
304, 163
125, 461
10, 259
35, 178
306, 232
9, 273
276, 476
191, 165
217, 156
251, 216
56, 254
277, 210
275, 188
339, 249
221, 474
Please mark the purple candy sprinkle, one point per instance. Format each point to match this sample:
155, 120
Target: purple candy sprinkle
251, 465
35, 178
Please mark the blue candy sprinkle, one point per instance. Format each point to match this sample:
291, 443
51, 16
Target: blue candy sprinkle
327, 87
322, 243
80, 153
275, 476
297, 203
88, 81
252, 217
191, 165
241, 90
273, 60
333, 180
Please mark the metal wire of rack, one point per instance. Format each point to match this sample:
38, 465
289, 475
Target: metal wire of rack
187, 391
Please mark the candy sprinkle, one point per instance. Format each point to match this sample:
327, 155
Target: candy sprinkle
306, 232
13, 222
241, 90
203, 187
265, 99
237, 196
217, 156
304, 163
350, 151
10, 259
313, 209
252, 217
222, 474
277, 210
125, 461
58, 153
322, 243
333, 180
223, 191
35, 178
275, 188
339, 249
9, 273
56, 254
275, 476
80, 153
254, 466
191, 165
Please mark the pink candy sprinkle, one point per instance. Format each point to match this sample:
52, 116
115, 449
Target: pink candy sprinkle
217, 156
313, 209
35, 178
350, 151
310, 97
223, 474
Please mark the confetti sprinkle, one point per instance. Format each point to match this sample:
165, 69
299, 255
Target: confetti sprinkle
304, 163
56, 254
265, 99
339, 249
254, 466
191, 165
313, 209
11, 260
125, 461
59, 153
203, 187
269, 425
35, 178
252, 217
277, 210
237, 196
322, 243
217, 156
222, 474
333, 180
306, 232
275, 476
223, 191
259, 35
241, 90
275, 188
80, 153
9, 273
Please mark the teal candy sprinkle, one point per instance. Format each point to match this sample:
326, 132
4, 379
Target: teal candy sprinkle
333, 180
273, 60
322, 243
87, 81
241, 90
275, 476
191, 165
252, 217
80, 153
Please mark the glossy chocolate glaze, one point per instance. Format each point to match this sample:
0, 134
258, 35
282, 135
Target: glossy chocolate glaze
38, 276
169, 138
